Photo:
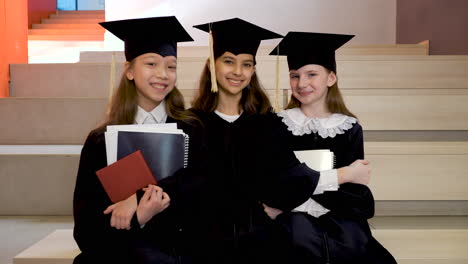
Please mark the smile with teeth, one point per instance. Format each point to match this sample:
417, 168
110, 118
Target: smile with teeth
235, 82
158, 85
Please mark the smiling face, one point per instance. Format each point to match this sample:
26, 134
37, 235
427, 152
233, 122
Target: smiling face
234, 72
154, 76
309, 84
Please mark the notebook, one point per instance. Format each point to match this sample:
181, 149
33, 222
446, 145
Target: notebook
165, 153
316, 159
124, 177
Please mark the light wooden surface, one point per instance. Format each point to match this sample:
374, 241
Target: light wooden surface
202, 51
416, 112
418, 170
37, 184
424, 177
419, 246
56, 248
415, 246
69, 120
49, 120
369, 74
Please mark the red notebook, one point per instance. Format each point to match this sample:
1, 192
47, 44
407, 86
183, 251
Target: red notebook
124, 177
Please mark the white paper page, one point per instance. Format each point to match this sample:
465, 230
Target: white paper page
111, 136
317, 159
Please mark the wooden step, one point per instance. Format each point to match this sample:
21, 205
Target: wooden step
98, 37
419, 207
408, 246
418, 170
444, 75
202, 51
71, 21
66, 31
49, 120
413, 191
37, 184
66, 26
59, 247
55, 44
97, 12
385, 106
428, 222
75, 16
425, 246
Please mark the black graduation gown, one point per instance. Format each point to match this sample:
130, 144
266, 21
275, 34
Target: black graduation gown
249, 163
101, 243
342, 235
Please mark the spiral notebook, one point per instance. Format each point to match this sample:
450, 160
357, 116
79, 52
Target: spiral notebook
165, 153
317, 159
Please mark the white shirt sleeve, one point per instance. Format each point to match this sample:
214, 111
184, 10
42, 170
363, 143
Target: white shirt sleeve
328, 181
312, 208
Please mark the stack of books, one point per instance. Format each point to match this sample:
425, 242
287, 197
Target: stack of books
138, 155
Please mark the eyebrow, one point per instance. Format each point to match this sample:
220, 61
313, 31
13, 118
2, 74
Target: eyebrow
149, 56
232, 58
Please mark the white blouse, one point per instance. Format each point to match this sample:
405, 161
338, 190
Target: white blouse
157, 116
299, 124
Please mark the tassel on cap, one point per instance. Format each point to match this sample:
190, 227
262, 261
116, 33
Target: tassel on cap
277, 85
112, 77
214, 82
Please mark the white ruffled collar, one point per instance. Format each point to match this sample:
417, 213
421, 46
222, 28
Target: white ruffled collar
299, 124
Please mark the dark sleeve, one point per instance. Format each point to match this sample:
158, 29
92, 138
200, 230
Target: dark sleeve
355, 148
289, 183
92, 230
351, 200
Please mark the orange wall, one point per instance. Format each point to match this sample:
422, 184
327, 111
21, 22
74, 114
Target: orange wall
14, 38
39, 9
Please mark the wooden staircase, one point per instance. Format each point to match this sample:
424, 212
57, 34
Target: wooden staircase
70, 26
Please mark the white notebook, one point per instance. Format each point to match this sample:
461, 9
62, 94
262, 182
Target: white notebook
317, 159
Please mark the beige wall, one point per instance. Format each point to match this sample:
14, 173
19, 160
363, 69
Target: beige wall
372, 21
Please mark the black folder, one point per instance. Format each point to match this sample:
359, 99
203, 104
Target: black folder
164, 153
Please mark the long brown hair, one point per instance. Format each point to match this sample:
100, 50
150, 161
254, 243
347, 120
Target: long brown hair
123, 107
253, 100
334, 100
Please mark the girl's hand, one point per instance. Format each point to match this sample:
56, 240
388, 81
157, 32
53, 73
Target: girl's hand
154, 201
358, 172
272, 212
122, 212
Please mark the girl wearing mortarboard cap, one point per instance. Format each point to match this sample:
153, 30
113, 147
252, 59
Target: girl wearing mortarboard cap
106, 232
250, 164
318, 118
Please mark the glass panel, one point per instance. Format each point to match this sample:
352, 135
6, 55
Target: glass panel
90, 4
66, 4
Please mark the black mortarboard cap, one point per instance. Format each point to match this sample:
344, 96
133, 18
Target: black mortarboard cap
144, 35
236, 36
302, 48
